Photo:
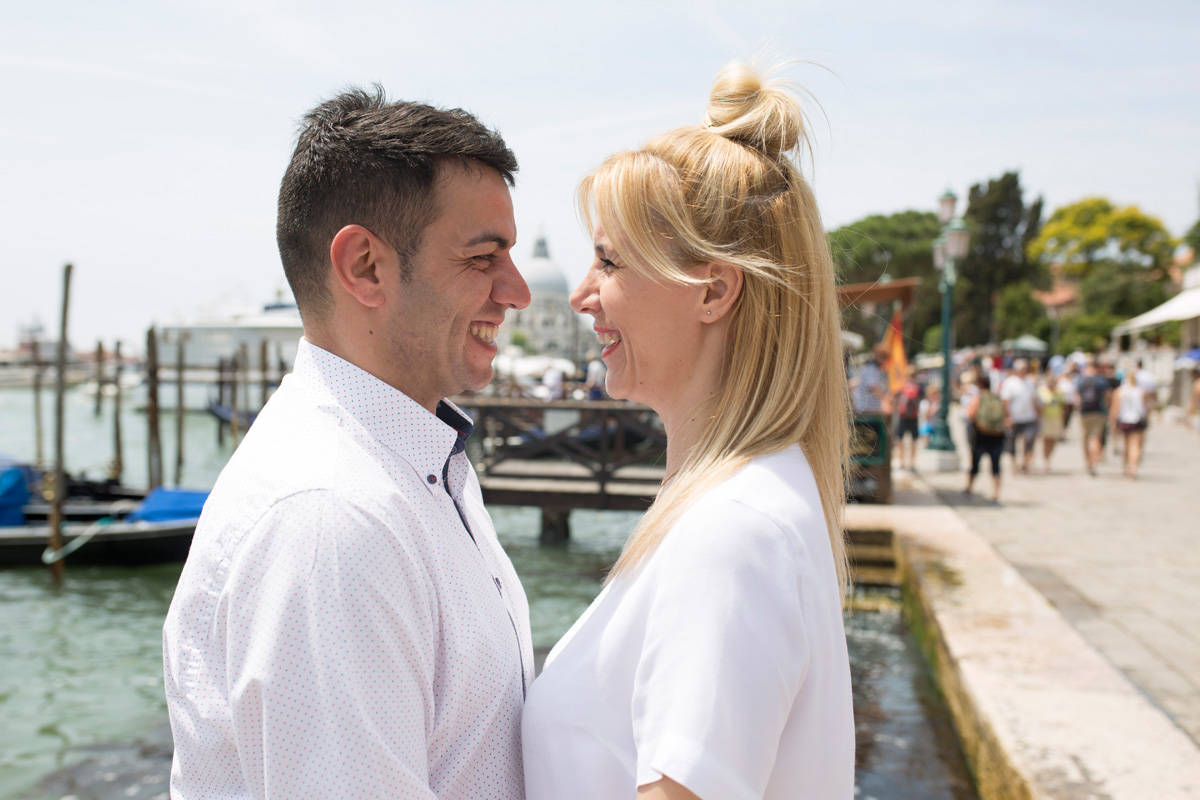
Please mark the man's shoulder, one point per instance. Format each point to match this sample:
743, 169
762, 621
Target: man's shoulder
299, 458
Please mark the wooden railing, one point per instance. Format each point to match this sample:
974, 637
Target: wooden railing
565, 454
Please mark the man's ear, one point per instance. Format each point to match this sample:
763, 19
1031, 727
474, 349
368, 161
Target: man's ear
724, 285
359, 258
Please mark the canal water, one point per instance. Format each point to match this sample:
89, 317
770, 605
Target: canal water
81, 669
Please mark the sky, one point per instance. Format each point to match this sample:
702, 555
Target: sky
144, 141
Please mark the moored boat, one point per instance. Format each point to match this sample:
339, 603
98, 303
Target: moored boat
105, 528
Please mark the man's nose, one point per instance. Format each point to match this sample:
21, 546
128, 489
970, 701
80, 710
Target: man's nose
510, 288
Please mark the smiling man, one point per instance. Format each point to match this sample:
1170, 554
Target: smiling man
347, 624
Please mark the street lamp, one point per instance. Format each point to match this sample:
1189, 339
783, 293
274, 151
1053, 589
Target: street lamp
948, 248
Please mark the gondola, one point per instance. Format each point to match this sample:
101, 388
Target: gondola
224, 412
111, 527
117, 544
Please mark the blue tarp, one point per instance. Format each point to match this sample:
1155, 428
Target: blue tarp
14, 494
167, 504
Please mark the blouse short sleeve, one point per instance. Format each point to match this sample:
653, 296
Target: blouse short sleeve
725, 651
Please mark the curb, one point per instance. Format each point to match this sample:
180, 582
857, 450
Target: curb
1040, 713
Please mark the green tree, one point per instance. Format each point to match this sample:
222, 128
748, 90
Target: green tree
1087, 332
1001, 228
1083, 234
932, 341
1019, 312
901, 246
1192, 238
1123, 290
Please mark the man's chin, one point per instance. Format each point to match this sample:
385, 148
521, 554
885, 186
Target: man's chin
479, 380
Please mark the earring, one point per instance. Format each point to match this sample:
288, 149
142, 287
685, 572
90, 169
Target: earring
710, 313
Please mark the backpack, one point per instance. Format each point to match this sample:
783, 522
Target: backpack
1090, 397
989, 417
909, 401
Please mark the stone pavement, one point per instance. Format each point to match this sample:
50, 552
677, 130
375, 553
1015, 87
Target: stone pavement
1120, 559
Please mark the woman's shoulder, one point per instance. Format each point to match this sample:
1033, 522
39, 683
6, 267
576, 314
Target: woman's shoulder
772, 498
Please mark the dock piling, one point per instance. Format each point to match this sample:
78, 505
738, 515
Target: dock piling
179, 370
153, 440
57, 568
39, 458
264, 363
556, 525
235, 427
99, 377
118, 462
220, 401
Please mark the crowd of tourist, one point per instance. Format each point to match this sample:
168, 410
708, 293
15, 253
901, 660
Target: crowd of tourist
1022, 407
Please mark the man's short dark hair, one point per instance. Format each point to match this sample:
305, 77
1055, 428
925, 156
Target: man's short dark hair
362, 160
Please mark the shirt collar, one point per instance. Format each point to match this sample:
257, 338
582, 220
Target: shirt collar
394, 419
457, 419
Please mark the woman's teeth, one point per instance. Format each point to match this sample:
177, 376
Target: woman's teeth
485, 332
608, 338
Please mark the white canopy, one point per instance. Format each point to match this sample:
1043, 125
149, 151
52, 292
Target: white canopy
1185, 305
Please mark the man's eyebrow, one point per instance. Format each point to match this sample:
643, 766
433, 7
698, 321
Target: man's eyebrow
488, 236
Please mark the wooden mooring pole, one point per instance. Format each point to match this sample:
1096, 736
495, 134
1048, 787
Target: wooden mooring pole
57, 569
264, 363
118, 462
39, 458
179, 415
244, 363
220, 401
99, 377
153, 441
234, 423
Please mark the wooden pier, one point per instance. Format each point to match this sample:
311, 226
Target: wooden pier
566, 454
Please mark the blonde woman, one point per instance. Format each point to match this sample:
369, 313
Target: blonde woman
713, 664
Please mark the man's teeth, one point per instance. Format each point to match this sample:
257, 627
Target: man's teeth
485, 332
608, 337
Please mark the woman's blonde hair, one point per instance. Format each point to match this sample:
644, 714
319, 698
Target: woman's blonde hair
730, 191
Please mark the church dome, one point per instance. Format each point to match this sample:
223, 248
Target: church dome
542, 274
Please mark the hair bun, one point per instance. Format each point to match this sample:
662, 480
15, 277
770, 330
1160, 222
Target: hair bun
749, 109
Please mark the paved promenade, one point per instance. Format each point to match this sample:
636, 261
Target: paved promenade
1119, 558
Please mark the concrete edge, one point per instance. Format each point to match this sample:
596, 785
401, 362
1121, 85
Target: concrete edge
1040, 713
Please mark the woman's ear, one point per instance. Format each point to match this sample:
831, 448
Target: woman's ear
724, 285
356, 255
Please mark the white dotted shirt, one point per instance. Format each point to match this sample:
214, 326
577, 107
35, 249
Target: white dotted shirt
337, 631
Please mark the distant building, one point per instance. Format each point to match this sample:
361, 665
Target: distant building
548, 325
209, 337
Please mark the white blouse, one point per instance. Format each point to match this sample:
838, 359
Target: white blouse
722, 664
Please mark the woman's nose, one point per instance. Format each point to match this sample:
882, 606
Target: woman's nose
584, 299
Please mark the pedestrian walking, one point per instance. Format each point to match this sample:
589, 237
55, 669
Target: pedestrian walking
1194, 398
1019, 393
1108, 371
1128, 415
1093, 392
1065, 384
1053, 416
989, 418
908, 417
969, 383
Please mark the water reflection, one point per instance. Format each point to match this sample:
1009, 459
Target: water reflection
906, 746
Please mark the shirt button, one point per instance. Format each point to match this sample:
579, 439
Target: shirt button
431, 478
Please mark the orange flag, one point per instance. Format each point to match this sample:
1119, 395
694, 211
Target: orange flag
897, 363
